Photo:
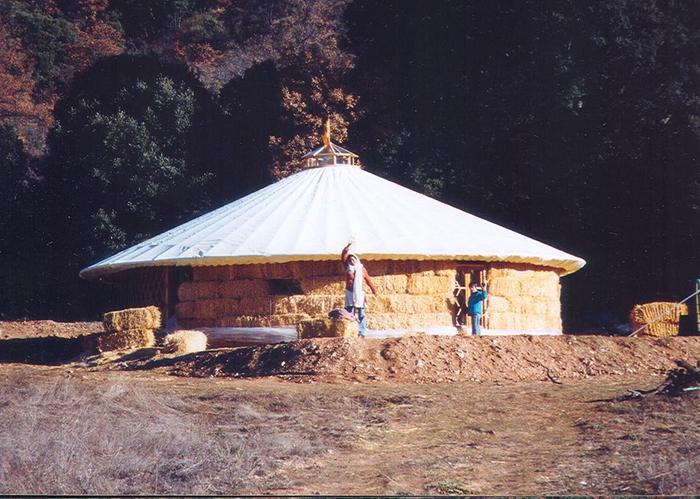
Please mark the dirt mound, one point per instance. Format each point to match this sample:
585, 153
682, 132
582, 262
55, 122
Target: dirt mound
436, 359
34, 329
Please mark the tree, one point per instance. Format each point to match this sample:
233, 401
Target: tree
18, 105
221, 40
124, 164
127, 161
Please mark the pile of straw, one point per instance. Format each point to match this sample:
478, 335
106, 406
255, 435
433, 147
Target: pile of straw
662, 319
128, 329
324, 327
183, 342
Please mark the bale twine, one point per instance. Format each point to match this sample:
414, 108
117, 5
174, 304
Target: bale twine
127, 339
183, 342
132, 318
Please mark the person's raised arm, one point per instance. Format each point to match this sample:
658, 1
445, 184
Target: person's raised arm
346, 251
369, 281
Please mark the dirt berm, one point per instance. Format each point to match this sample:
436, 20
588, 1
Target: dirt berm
436, 359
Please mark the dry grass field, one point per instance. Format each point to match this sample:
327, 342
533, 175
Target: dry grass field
67, 430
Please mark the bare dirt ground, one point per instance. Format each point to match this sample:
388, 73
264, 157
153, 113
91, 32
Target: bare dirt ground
417, 415
37, 328
439, 359
74, 431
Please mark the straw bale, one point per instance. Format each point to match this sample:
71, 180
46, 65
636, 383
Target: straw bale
240, 288
422, 284
666, 325
284, 304
206, 309
185, 341
540, 307
668, 311
327, 268
504, 286
255, 305
401, 267
326, 327
404, 321
291, 270
505, 320
314, 305
409, 304
132, 318
314, 328
264, 271
498, 304
377, 267
658, 329
329, 285
287, 319
128, 339
214, 273
391, 283
197, 290
445, 268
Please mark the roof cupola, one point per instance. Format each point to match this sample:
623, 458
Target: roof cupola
329, 154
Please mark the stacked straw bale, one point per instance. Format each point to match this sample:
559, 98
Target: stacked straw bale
523, 297
667, 315
129, 329
411, 294
323, 327
128, 339
183, 342
132, 318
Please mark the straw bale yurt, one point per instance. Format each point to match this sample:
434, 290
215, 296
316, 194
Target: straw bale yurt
271, 259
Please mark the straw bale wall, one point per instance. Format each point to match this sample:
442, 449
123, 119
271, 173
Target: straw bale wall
411, 294
522, 298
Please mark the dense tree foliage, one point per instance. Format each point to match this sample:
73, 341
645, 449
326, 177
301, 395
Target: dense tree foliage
127, 157
577, 123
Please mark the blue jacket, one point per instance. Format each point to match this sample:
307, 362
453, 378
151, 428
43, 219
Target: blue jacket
475, 305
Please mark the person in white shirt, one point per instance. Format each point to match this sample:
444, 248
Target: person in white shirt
354, 293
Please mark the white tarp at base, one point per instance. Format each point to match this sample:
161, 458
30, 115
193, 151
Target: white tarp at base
261, 335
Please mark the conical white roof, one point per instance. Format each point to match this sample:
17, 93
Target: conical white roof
311, 215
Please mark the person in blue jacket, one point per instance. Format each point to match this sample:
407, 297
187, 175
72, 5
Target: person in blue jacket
475, 306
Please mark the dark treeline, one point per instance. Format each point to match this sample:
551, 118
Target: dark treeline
576, 123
